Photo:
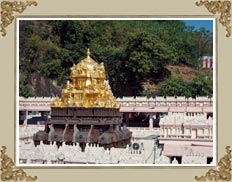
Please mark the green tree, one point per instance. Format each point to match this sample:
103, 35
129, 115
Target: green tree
146, 55
203, 84
24, 91
176, 87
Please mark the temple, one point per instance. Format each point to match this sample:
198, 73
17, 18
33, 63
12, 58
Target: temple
166, 130
87, 112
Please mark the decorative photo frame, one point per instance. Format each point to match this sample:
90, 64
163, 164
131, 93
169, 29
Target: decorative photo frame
222, 171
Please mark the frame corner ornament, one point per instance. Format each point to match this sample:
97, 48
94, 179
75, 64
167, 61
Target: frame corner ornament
221, 7
8, 171
224, 169
7, 9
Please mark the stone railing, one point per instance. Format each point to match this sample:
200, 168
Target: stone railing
168, 101
132, 101
35, 101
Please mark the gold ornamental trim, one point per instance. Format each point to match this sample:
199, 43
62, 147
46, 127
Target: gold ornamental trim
7, 9
224, 169
221, 7
8, 171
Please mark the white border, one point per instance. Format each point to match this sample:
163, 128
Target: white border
118, 165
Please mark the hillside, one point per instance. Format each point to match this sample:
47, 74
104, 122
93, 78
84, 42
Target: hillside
187, 73
140, 57
184, 72
40, 86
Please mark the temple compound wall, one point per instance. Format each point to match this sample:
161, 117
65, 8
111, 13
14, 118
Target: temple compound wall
155, 107
130, 103
187, 137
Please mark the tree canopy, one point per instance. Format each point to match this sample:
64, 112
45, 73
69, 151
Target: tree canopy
132, 51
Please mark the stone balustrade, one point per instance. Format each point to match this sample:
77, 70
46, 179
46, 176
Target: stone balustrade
43, 103
165, 101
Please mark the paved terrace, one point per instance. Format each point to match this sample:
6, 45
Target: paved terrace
135, 104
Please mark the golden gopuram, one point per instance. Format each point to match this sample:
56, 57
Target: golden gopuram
87, 112
88, 88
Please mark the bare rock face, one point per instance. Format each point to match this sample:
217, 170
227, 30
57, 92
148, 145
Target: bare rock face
43, 87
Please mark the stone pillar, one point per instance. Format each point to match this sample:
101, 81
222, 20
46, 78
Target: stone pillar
89, 134
25, 120
179, 132
211, 63
127, 118
66, 127
151, 121
165, 132
75, 132
210, 132
206, 63
52, 130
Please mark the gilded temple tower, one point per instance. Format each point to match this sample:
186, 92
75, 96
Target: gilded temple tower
88, 88
87, 112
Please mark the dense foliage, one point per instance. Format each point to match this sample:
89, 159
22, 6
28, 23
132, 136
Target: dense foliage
201, 85
132, 51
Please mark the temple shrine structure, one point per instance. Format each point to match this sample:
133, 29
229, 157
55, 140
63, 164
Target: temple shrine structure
187, 138
87, 112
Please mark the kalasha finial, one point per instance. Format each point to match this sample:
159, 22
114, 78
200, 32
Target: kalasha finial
88, 53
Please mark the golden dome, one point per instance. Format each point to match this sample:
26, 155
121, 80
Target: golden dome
88, 87
88, 68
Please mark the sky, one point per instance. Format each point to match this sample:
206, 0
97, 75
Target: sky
208, 24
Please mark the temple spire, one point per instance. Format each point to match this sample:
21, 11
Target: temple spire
88, 53
87, 87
